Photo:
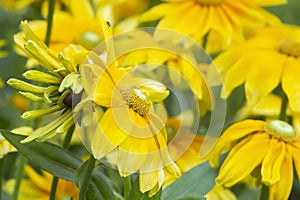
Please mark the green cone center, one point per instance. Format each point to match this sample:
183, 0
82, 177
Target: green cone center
280, 130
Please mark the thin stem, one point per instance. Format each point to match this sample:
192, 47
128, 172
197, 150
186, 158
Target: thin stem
284, 102
264, 193
55, 179
21, 162
86, 179
127, 187
1, 175
51, 8
53, 187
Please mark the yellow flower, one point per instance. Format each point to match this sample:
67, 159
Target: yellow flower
56, 86
16, 4
269, 147
133, 121
254, 60
37, 187
132, 125
222, 20
77, 25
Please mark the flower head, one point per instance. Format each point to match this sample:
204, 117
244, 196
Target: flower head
269, 147
254, 60
222, 20
56, 80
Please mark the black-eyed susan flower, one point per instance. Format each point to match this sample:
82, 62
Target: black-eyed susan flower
134, 126
132, 123
55, 81
271, 148
222, 20
254, 60
37, 186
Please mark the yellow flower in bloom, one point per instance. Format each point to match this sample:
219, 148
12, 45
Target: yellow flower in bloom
270, 147
77, 25
254, 60
56, 86
222, 20
131, 125
16, 4
38, 186
133, 122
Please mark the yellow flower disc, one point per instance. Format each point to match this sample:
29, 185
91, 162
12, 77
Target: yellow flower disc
280, 130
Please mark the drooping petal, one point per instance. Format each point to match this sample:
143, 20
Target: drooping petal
271, 165
243, 158
291, 82
232, 134
263, 77
282, 189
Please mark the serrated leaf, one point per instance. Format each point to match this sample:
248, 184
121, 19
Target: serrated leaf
192, 184
53, 159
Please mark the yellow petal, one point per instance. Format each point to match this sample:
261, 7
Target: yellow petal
291, 82
282, 189
243, 158
129, 161
220, 193
294, 148
263, 77
271, 164
155, 13
233, 133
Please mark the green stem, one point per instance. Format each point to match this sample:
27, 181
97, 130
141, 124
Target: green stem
1, 175
55, 179
284, 103
21, 162
51, 8
53, 188
264, 193
127, 187
86, 179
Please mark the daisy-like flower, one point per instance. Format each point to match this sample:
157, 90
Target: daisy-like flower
269, 148
56, 81
133, 123
254, 60
38, 186
222, 20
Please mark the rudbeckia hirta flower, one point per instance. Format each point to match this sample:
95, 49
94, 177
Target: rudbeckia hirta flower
222, 20
268, 58
55, 82
134, 126
270, 148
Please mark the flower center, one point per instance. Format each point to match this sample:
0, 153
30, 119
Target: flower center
291, 45
88, 39
137, 100
280, 130
210, 2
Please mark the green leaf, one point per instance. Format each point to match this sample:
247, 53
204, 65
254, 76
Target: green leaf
54, 159
103, 184
192, 184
